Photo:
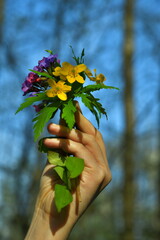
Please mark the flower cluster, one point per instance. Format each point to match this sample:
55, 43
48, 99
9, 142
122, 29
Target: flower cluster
34, 83
54, 86
57, 80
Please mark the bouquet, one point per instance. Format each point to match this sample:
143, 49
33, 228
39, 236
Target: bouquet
53, 86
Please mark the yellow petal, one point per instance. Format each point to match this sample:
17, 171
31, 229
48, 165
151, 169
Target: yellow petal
60, 84
62, 96
67, 66
92, 78
57, 71
51, 82
88, 72
71, 79
80, 68
66, 88
62, 77
100, 77
79, 79
64, 71
50, 93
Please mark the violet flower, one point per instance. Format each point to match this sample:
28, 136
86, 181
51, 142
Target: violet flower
37, 108
27, 86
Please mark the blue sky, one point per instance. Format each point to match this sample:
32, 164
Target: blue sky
28, 31
30, 28
29, 43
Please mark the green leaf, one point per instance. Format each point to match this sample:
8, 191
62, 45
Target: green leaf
78, 60
55, 158
62, 173
82, 54
90, 105
75, 166
29, 101
44, 74
49, 51
74, 56
82, 57
41, 147
63, 197
43, 117
97, 105
68, 111
95, 87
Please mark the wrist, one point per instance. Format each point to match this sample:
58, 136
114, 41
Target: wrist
44, 226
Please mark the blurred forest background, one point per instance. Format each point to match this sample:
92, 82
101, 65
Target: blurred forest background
121, 40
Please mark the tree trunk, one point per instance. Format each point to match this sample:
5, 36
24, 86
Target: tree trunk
158, 174
1, 19
128, 158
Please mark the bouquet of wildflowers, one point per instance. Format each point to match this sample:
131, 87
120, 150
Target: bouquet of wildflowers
53, 86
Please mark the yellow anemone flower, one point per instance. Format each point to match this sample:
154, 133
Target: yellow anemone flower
100, 78
58, 89
70, 72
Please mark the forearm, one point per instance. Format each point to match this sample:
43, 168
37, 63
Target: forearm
45, 227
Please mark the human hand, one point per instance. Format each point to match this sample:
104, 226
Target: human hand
84, 142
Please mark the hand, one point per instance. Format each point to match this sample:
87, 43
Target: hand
84, 142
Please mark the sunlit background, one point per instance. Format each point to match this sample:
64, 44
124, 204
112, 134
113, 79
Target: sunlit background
121, 40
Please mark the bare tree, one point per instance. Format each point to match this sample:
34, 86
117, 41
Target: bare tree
128, 158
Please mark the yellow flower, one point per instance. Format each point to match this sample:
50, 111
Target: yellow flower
88, 73
70, 72
58, 89
100, 78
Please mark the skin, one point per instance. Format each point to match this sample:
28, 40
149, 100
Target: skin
84, 142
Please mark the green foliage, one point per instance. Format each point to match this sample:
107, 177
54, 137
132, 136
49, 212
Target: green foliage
80, 59
63, 196
55, 158
62, 173
93, 105
75, 166
44, 74
68, 168
42, 118
68, 111
95, 87
49, 51
41, 147
29, 101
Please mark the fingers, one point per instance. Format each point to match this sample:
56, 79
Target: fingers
71, 147
75, 135
85, 134
83, 124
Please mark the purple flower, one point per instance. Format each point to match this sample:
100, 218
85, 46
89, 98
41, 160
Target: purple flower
27, 86
47, 61
44, 63
38, 68
52, 58
32, 77
37, 108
